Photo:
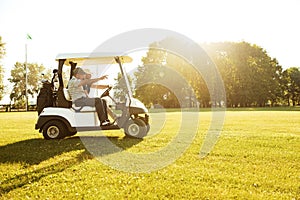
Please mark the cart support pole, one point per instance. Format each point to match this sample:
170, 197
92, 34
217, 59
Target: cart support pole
117, 58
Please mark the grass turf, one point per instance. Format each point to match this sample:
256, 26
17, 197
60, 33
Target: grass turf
256, 157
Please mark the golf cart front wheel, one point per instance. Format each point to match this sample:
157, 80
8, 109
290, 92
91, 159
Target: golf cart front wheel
136, 128
54, 130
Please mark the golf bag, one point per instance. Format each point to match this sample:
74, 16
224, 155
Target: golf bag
45, 97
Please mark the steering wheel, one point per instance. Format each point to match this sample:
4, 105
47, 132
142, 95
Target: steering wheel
106, 92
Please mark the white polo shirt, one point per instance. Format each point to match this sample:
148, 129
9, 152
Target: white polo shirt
75, 91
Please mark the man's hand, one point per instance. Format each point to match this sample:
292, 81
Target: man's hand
103, 77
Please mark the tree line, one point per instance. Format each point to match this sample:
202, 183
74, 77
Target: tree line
169, 79
250, 76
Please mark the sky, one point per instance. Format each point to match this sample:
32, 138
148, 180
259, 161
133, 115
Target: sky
60, 26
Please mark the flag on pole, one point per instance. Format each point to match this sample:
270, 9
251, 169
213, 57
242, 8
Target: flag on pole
28, 37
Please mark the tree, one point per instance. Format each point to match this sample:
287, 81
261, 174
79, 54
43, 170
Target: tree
155, 80
120, 89
293, 85
145, 87
251, 77
2, 53
18, 79
168, 78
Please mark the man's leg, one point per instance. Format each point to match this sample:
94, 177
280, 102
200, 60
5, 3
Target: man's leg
101, 111
104, 106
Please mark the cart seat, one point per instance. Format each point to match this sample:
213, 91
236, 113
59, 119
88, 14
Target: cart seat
67, 94
78, 108
83, 108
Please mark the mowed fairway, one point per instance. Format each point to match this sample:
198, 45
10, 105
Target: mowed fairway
256, 157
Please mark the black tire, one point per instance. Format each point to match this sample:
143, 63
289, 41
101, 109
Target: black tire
148, 127
147, 124
71, 133
54, 129
135, 128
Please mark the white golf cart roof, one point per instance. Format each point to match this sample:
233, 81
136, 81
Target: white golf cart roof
92, 58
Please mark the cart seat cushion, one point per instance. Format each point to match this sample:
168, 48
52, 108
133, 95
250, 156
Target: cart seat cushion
78, 108
67, 94
83, 109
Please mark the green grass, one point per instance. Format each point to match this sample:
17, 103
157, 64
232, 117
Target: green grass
256, 157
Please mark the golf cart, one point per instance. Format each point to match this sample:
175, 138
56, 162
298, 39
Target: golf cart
59, 118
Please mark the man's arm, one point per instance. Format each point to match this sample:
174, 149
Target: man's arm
99, 86
91, 81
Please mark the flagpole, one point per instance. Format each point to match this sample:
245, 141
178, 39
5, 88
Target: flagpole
28, 37
26, 79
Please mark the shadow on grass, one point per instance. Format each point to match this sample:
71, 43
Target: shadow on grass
34, 151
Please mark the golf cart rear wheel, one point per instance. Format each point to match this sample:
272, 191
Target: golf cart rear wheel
136, 128
54, 130
148, 127
146, 122
71, 133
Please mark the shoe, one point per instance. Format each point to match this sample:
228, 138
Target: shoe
105, 123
